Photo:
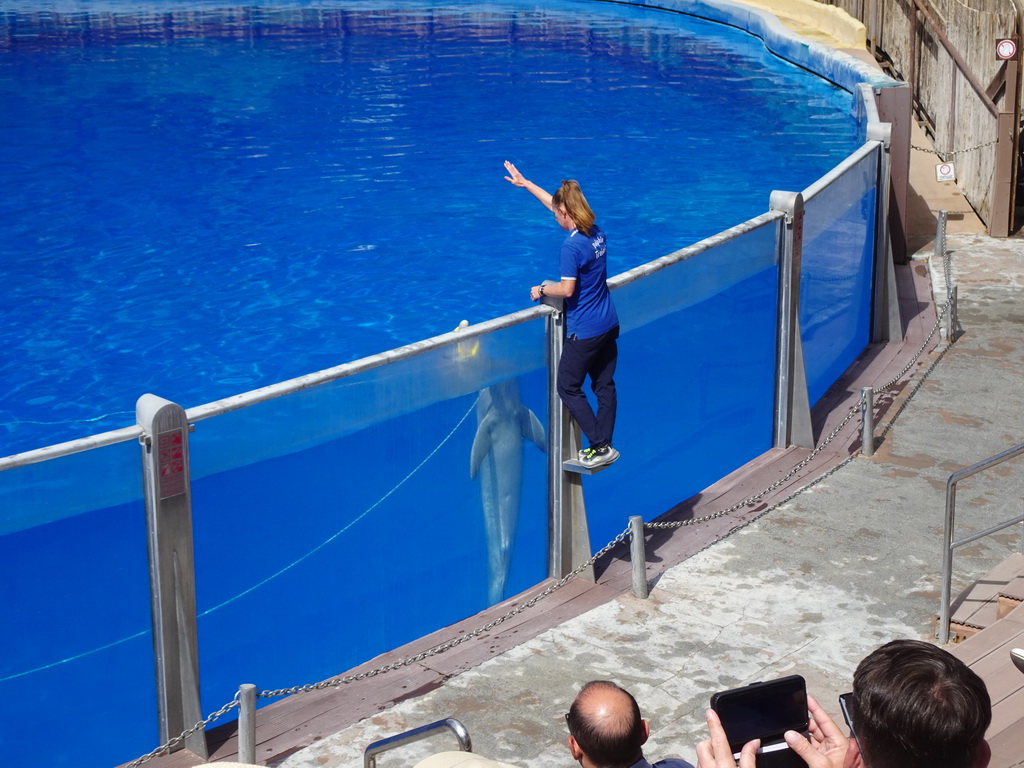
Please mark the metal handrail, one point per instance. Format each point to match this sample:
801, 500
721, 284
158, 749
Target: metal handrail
950, 545
417, 734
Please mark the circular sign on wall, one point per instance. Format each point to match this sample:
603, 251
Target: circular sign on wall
945, 172
1006, 49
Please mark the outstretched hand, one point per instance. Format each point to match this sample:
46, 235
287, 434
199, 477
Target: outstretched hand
716, 753
515, 176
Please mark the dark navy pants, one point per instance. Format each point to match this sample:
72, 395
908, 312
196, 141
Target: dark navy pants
596, 358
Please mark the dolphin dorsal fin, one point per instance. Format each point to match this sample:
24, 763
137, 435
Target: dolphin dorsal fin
531, 429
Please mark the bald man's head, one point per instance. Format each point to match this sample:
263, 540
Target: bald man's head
605, 724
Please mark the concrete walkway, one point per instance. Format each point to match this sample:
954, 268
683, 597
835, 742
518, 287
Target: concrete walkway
810, 588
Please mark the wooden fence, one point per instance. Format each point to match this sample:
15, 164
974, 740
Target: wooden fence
967, 99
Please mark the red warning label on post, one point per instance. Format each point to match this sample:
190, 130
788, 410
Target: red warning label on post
170, 463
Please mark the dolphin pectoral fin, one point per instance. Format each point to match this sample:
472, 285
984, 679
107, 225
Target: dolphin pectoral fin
531, 429
481, 444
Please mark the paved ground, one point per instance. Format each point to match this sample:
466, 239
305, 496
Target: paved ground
810, 588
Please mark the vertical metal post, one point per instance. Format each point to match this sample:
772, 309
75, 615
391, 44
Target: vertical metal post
947, 560
168, 498
559, 523
939, 252
638, 556
885, 309
579, 530
867, 422
568, 533
792, 405
247, 723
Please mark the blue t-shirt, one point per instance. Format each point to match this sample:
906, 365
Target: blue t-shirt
589, 311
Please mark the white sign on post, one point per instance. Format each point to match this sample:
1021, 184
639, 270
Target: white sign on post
945, 172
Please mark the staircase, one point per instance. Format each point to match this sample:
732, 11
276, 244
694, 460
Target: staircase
992, 597
989, 620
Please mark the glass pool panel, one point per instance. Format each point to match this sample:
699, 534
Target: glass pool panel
76, 651
373, 524
836, 274
695, 380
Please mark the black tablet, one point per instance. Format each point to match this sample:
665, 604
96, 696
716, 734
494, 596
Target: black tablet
765, 711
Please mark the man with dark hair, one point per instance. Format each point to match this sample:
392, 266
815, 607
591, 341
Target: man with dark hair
914, 705
607, 731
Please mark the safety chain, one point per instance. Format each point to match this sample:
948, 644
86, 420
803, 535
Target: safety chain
946, 268
920, 350
944, 156
942, 353
447, 646
938, 323
201, 725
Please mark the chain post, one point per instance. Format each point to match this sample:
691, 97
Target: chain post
939, 251
867, 422
247, 723
638, 556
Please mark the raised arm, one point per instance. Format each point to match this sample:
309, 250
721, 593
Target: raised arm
516, 178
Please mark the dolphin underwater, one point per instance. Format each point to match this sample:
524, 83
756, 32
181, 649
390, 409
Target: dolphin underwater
503, 423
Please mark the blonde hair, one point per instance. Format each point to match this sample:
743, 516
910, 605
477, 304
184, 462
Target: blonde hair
570, 196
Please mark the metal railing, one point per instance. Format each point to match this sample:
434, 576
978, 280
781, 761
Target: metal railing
947, 535
417, 734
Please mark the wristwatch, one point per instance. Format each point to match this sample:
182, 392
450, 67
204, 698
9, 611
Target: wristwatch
540, 290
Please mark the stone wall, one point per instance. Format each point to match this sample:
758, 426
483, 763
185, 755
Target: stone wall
961, 125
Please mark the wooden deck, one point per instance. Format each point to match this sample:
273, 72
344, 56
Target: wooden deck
990, 598
988, 654
294, 722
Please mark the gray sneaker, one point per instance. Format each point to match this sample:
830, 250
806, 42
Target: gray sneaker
598, 457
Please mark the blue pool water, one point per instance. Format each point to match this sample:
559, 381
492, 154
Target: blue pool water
203, 200
200, 201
